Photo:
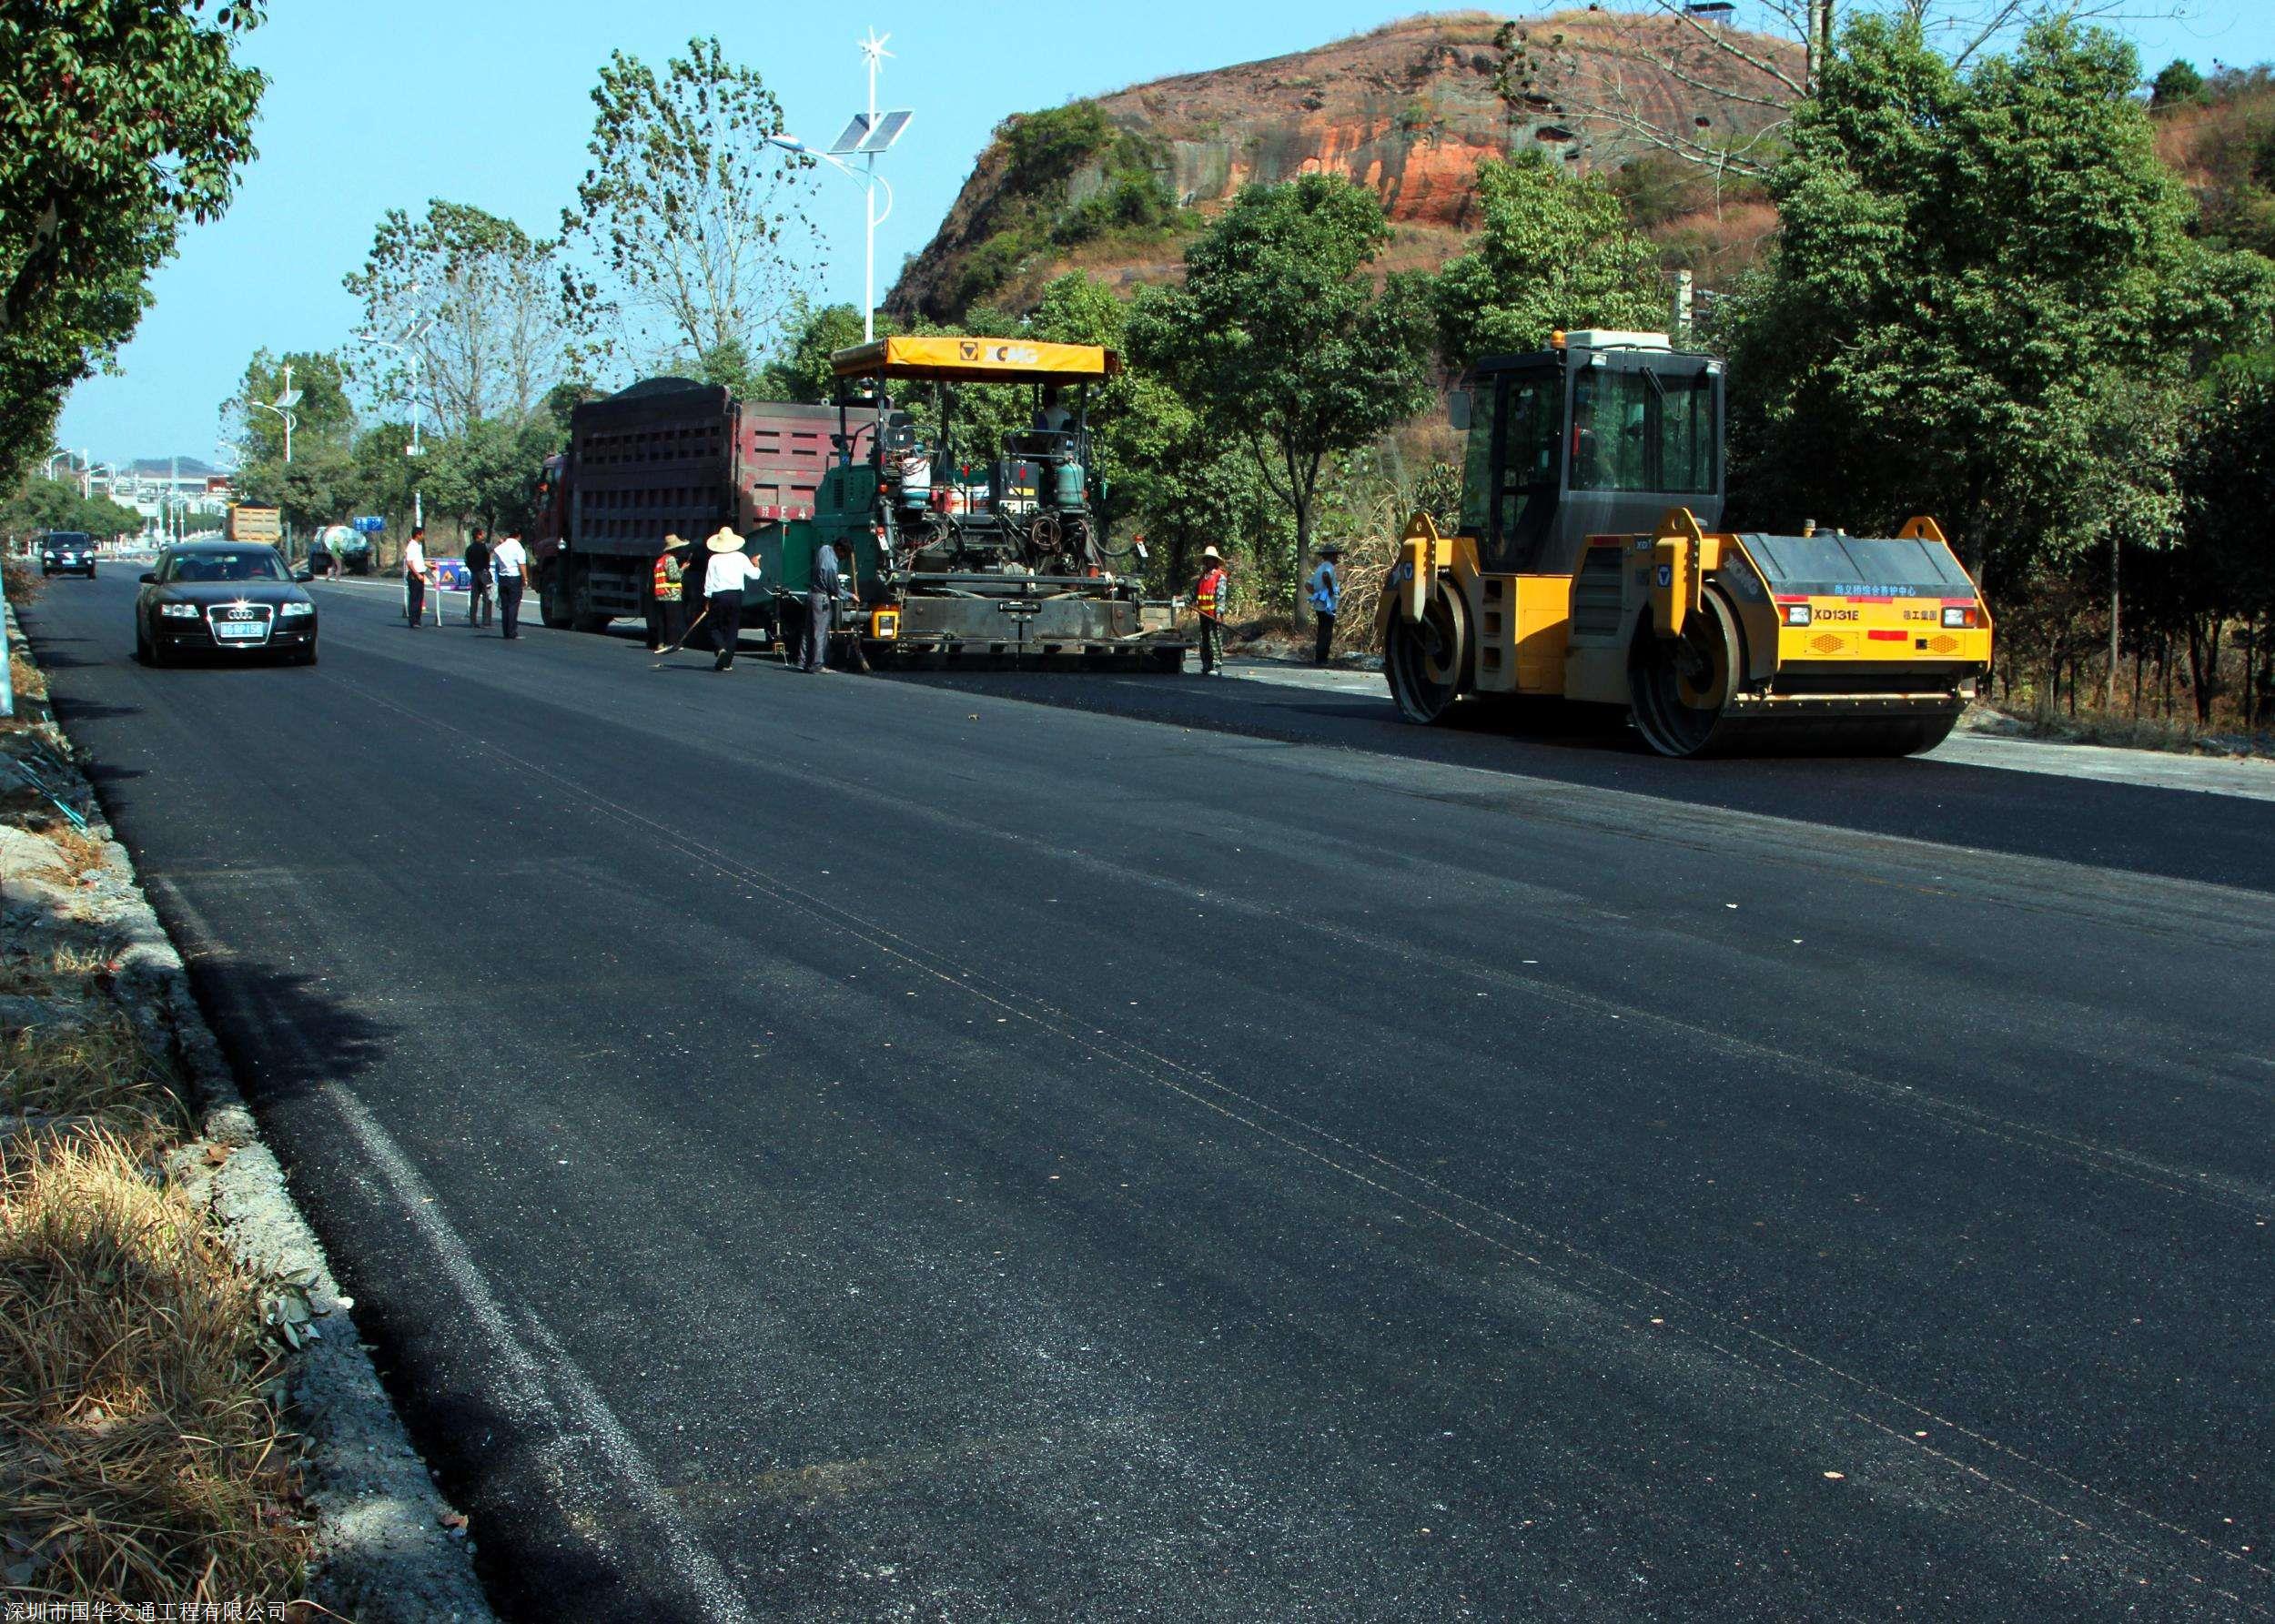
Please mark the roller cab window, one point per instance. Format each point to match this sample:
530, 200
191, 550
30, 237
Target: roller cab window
1643, 431
1509, 464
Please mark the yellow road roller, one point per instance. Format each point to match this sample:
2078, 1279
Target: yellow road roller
1589, 566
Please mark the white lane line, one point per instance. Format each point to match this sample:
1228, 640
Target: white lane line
596, 1426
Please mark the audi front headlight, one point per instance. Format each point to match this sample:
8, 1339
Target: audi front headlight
289, 610
178, 611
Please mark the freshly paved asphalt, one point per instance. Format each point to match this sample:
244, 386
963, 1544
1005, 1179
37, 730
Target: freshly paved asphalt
846, 1148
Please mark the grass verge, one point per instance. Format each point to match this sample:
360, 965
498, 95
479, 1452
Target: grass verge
143, 1463
140, 1461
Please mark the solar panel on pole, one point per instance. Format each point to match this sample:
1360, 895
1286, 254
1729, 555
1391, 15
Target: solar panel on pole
888, 130
850, 138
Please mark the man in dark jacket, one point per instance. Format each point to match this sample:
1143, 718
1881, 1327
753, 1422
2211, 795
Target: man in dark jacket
821, 599
478, 581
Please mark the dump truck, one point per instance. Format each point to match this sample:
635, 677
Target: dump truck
983, 553
1589, 565
247, 522
668, 455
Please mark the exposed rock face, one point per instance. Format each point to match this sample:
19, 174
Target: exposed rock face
1408, 109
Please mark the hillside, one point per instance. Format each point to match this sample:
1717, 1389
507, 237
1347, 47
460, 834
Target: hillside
1114, 184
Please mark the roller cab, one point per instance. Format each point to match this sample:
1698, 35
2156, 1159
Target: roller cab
1590, 566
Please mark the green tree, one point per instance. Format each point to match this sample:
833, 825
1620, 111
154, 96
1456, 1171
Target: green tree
324, 416
321, 485
384, 477
41, 503
2224, 569
2177, 83
1555, 251
1965, 259
1282, 344
694, 228
119, 119
489, 473
800, 369
483, 301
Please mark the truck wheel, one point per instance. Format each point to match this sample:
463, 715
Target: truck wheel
1426, 661
552, 600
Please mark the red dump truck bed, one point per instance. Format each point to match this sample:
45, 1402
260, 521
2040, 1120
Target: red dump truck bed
663, 456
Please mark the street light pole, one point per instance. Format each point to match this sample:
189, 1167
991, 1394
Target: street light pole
865, 139
414, 359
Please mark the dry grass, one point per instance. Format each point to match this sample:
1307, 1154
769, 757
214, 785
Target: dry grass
38, 972
26, 676
141, 1463
22, 580
2180, 734
97, 1071
77, 854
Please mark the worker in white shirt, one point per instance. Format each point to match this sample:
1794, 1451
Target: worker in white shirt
725, 577
415, 577
509, 565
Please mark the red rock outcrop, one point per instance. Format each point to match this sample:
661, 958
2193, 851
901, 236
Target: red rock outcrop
1408, 109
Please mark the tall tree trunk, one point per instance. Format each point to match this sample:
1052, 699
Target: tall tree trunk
2117, 604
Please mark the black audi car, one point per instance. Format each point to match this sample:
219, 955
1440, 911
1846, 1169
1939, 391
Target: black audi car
67, 552
227, 598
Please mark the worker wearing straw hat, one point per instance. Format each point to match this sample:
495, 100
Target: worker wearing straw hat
1209, 599
667, 593
729, 570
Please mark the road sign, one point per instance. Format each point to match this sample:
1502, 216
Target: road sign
370, 524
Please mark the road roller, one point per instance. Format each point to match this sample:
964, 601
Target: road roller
1590, 566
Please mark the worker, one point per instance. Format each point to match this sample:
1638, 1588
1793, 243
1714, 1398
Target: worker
729, 571
1209, 595
1326, 597
821, 599
510, 566
665, 593
415, 577
1051, 417
478, 580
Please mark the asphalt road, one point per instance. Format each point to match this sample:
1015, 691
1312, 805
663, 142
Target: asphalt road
838, 1148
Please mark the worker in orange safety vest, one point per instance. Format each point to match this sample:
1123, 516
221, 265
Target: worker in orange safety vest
665, 597
1209, 597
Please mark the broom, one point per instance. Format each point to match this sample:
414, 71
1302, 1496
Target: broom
690, 630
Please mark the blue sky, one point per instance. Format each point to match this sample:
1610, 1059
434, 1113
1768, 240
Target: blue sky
486, 102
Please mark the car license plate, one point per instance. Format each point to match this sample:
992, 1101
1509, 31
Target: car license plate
239, 629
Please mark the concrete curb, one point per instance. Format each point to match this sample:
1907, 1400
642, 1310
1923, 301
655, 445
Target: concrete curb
387, 1547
